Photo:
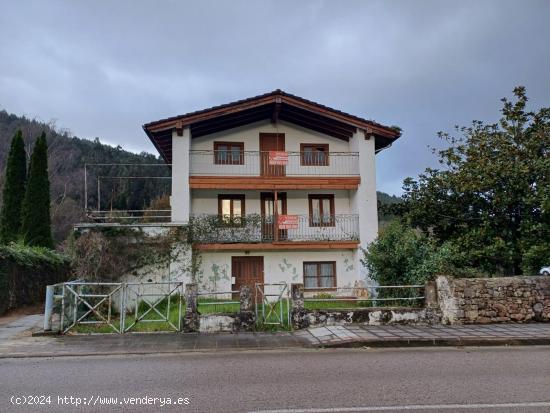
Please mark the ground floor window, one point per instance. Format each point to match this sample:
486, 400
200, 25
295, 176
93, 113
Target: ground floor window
320, 274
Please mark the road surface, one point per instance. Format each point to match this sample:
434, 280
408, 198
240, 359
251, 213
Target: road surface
514, 379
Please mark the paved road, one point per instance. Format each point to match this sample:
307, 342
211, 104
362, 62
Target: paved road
480, 379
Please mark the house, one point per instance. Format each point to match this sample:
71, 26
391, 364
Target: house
285, 188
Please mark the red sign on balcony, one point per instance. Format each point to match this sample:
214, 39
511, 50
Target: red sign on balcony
287, 222
278, 158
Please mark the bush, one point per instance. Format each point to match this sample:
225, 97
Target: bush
26, 271
404, 256
399, 256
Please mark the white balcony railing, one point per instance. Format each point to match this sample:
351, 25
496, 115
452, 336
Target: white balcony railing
256, 163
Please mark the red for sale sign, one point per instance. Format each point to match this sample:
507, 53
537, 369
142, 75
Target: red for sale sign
278, 158
287, 222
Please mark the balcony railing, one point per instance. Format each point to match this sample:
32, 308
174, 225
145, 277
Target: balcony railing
209, 229
256, 163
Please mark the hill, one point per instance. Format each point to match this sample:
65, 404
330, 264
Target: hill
66, 158
67, 155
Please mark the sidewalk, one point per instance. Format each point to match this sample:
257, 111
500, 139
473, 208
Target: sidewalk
20, 326
18, 343
403, 336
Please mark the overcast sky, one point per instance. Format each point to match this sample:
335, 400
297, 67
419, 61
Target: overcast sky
103, 68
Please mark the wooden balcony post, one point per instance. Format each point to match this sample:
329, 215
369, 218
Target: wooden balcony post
276, 216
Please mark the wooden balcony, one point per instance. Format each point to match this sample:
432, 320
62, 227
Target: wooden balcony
211, 169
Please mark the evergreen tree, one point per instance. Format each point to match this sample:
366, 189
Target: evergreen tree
36, 223
14, 190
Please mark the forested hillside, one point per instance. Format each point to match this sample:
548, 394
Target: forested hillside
66, 157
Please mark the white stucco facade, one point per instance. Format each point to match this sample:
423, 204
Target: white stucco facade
180, 199
193, 157
279, 266
249, 135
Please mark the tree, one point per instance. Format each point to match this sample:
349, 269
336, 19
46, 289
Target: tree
36, 224
491, 197
14, 190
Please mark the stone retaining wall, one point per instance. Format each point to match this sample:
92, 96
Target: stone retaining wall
493, 300
368, 316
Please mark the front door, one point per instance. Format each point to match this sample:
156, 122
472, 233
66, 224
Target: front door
268, 215
271, 142
247, 271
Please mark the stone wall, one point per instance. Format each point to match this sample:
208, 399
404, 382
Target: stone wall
367, 316
493, 300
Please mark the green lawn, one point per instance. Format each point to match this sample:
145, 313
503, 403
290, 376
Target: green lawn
218, 305
273, 317
335, 304
146, 323
313, 304
142, 326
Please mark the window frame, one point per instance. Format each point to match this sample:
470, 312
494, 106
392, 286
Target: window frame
318, 264
239, 161
330, 197
232, 216
304, 162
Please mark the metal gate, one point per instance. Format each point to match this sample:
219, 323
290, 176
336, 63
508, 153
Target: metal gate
272, 304
87, 303
153, 303
113, 307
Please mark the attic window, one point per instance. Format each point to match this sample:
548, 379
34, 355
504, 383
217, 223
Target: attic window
229, 153
314, 154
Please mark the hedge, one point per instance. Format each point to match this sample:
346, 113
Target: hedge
26, 271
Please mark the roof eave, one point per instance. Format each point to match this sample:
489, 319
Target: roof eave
273, 97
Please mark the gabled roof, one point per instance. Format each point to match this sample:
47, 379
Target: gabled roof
276, 105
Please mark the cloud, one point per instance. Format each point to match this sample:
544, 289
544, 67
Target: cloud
104, 68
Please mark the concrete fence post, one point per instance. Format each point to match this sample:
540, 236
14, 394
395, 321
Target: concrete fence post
430, 295
246, 318
298, 313
48, 308
191, 321
245, 298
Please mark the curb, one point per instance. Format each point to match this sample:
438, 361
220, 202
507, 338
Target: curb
439, 342
399, 343
144, 353
42, 333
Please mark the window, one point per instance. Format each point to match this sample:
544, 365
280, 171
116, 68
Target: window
320, 274
231, 209
321, 210
229, 153
313, 154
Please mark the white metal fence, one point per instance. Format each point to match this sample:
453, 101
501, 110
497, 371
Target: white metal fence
357, 297
113, 307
